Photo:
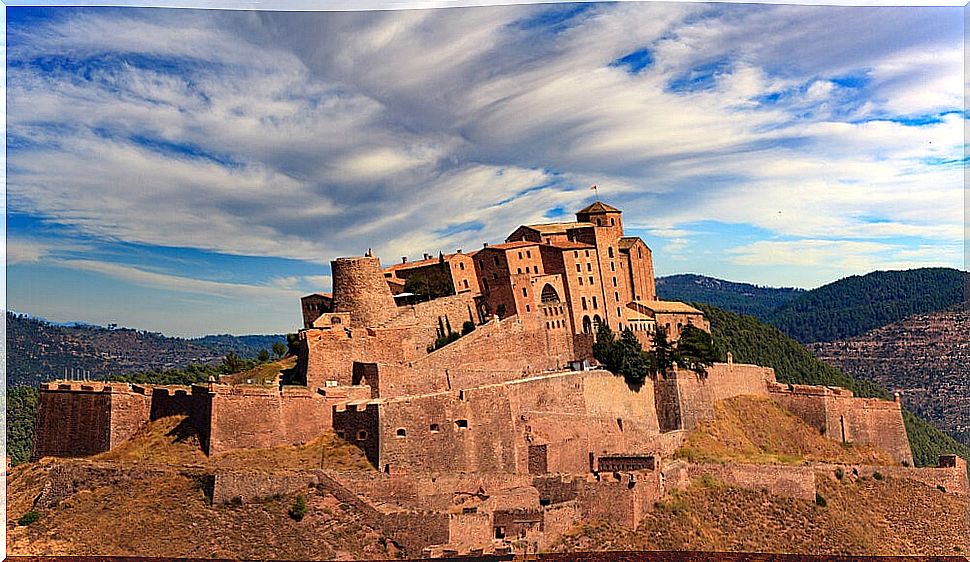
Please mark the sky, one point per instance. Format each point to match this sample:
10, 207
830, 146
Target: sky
195, 171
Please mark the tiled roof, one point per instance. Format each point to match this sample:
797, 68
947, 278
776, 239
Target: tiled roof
511, 245
571, 245
627, 242
420, 263
600, 207
557, 227
668, 306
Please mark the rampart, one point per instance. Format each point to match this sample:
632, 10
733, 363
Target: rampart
685, 398
780, 480
85, 418
359, 288
841, 417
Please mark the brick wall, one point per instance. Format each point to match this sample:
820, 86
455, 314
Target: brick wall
329, 355
249, 486
622, 498
360, 289
952, 479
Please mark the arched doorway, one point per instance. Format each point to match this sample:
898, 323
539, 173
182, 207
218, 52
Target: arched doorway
597, 322
587, 325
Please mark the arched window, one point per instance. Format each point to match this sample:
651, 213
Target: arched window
597, 321
609, 251
587, 325
549, 294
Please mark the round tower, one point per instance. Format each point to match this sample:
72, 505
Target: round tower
360, 289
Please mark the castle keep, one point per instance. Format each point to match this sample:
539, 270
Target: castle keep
502, 434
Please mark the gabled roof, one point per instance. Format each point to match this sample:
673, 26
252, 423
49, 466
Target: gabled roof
511, 245
324, 295
556, 227
627, 242
599, 207
668, 307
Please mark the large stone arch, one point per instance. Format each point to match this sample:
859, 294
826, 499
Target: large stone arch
549, 294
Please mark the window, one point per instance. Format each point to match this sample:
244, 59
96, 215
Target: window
639, 253
341, 434
461, 424
435, 428
614, 281
535, 269
612, 222
584, 304
461, 266
485, 284
594, 303
598, 223
616, 296
591, 280
528, 308
587, 253
481, 264
520, 255
525, 292
612, 266
401, 432
519, 270
580, 280
495, 259
579, 267
619, 313
589, 266
528, 253
575, 253
609, 251
362, 435
465, 283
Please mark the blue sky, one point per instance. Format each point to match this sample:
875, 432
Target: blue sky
194, 171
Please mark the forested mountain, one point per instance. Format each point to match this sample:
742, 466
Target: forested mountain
38, 350
854, 305
751, 341
742, 298
924, 357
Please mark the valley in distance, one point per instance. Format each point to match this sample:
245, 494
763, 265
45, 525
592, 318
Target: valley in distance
543, 394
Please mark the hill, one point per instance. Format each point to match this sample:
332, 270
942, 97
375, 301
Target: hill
854, 305
751, 341
924, 357
742, 298
38, 350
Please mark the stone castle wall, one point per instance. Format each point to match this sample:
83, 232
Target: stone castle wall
841, 417
78, 419
329, 355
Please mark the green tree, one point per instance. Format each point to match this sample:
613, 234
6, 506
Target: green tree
293, 343
662, 352
279, 349
605, 349
21, 413
635, 365
263, 356
695, 350
299, 509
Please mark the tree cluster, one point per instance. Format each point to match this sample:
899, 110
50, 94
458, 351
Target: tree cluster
624, 356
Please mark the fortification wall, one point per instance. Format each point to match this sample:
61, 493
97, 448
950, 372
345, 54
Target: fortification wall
255, 417
250, 486
622, 498
952, 479
453, 310
171, 400
329, 354
503, 345
841, 417
78, 419
780, 480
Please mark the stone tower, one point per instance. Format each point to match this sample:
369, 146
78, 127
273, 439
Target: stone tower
360, 289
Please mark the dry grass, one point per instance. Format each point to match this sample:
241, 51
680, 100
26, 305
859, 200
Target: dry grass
173, 441
899, 518
169, 517
267, 373
755, 429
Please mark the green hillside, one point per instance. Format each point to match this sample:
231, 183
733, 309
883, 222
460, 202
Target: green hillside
854, 305
742, 298
751, 341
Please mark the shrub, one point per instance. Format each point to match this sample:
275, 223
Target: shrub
299, 509
820, 500
839, 473
28, 518
467, 328
877, 475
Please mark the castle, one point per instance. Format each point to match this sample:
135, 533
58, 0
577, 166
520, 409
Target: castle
466, 380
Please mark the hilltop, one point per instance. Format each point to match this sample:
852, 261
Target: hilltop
742, 298
38, 350
924, 357
854, 305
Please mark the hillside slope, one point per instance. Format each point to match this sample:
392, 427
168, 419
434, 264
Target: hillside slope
854, 305
742, 298
751, 341
39, 351
924, 357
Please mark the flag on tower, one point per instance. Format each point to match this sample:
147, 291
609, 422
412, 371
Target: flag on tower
593, 189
